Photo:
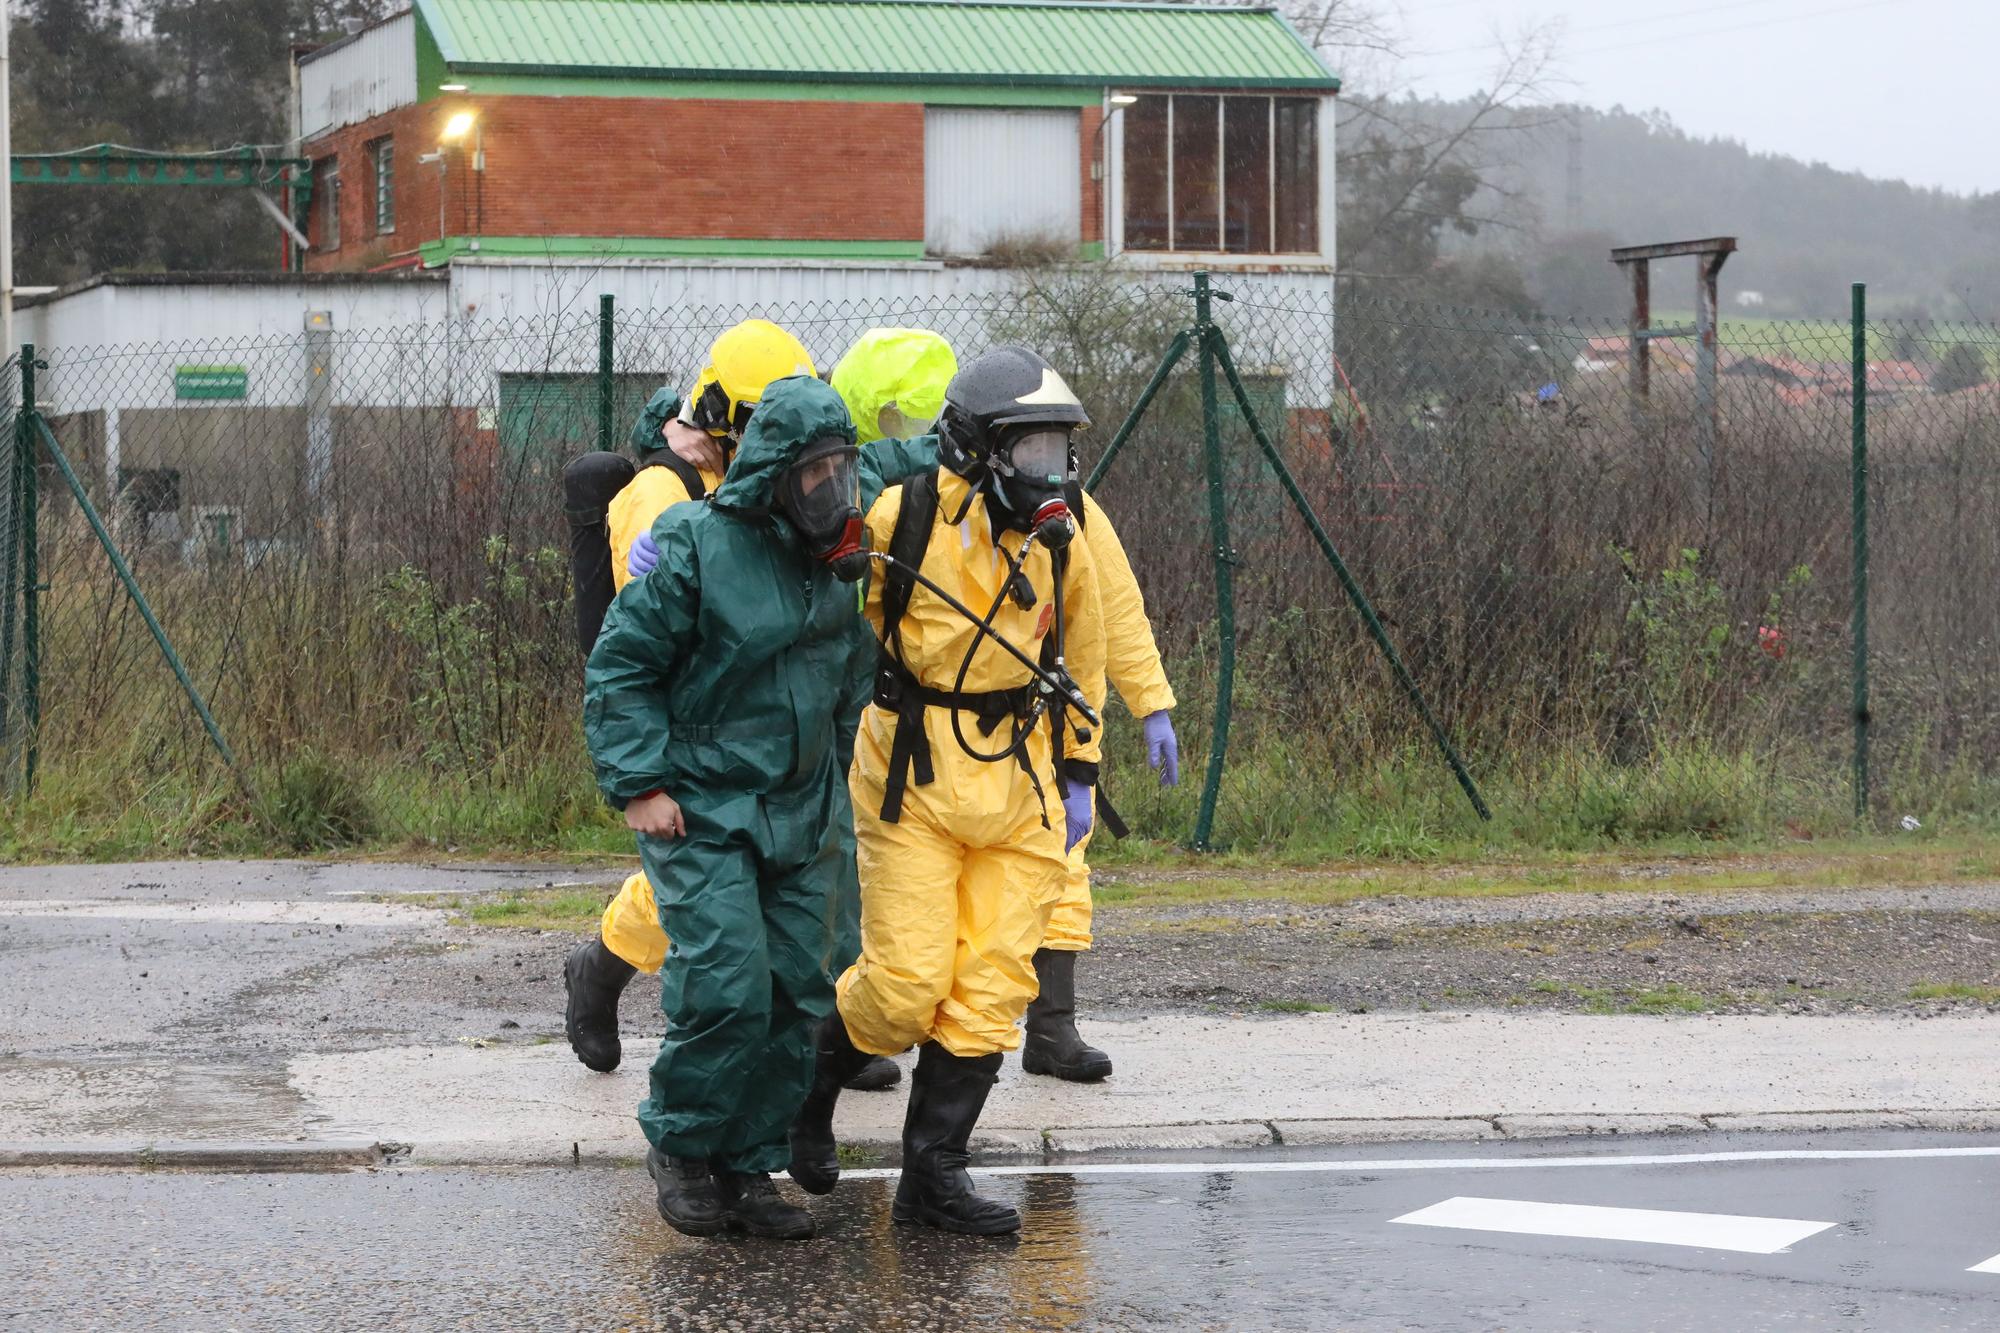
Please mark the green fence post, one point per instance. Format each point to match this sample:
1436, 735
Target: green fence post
1860, 524
604, 396
31, 581
124, 572
1225, 557
1347, 579
16, 451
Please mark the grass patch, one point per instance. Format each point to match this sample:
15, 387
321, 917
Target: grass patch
569, 911
1955, 990
1671, 998
1294, 1007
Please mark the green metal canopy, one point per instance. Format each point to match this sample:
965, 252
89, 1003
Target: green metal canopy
1022, 43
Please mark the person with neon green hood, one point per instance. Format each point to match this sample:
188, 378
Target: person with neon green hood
720, 705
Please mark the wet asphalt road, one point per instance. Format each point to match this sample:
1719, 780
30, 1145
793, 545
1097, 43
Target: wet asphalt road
1163, 1246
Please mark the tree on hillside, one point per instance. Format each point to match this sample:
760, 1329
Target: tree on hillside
1962, 366
1412, 183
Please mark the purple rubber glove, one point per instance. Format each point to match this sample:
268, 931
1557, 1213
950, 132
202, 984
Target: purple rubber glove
1079, 808
645, 554
1163, 750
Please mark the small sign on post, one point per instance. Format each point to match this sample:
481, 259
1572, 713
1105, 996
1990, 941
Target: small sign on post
211, 382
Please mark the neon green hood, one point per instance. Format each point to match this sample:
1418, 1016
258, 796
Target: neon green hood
907, 367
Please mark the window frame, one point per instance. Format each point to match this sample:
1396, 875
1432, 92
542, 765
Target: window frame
326, 181
379, 151
1117, 200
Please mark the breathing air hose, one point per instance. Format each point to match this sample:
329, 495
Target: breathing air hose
1053, 686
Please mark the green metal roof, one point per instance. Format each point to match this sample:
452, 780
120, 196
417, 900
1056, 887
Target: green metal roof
1012, 42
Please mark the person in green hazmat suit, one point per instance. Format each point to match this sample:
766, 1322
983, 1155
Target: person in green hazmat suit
716, 699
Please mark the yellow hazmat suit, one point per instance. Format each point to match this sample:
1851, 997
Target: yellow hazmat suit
1132, 664
956, 894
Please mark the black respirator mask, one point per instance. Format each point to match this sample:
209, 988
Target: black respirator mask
1029, 469
820, 495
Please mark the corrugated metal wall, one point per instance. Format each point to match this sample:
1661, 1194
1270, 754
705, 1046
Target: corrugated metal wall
370, 73
445, 338
994, 175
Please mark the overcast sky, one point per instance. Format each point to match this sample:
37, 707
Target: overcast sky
1894, 88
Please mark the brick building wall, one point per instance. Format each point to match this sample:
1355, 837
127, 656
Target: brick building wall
633, 166
1093, 196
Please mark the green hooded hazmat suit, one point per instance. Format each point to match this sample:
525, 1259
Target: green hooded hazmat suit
730, 678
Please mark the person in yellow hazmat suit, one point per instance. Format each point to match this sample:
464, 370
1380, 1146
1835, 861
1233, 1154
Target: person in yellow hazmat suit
970, 781
742, 362
893, 381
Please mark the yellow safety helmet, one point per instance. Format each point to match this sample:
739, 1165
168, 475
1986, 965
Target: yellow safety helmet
742, 363
904, 370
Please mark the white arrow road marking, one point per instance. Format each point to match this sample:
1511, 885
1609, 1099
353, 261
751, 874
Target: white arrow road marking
1652, 1226
1990, 1266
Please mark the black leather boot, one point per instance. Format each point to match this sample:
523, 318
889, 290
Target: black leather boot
879, 1075
815, 1155
752, 1203
686, 1193
1053, 1046
594, 978
947, 1094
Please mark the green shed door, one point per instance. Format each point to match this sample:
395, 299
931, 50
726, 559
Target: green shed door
546, 420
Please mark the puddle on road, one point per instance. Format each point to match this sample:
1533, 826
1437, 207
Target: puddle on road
249, 913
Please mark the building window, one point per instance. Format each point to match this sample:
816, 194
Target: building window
384, 151
1230, 175
327, 182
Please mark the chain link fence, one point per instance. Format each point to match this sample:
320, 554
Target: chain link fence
1633, 614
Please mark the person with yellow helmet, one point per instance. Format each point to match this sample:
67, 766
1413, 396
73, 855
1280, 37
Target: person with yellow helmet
741, 363
965, 803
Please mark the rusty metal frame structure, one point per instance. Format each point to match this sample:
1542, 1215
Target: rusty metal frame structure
1709, 254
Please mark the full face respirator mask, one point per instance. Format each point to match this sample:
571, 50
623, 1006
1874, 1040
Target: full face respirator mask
820, 495
1031, 466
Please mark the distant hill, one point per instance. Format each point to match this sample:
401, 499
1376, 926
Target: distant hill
1806, 230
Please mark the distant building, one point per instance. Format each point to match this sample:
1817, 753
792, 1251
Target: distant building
870, 130
1749, 300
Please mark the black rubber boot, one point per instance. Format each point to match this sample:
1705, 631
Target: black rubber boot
686, 1194
947, 1094
1053, 1046
594, 978
879, 1075
752, 1203
815, 1155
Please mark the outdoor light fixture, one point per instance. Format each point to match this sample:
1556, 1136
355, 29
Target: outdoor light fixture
1117, 102
456, 127
451, 87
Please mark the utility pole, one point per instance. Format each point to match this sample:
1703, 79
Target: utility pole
1573, 202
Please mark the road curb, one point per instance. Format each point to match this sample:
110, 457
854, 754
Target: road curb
178, 1155
995, 1147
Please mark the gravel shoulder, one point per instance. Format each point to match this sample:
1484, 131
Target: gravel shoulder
1916, 950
